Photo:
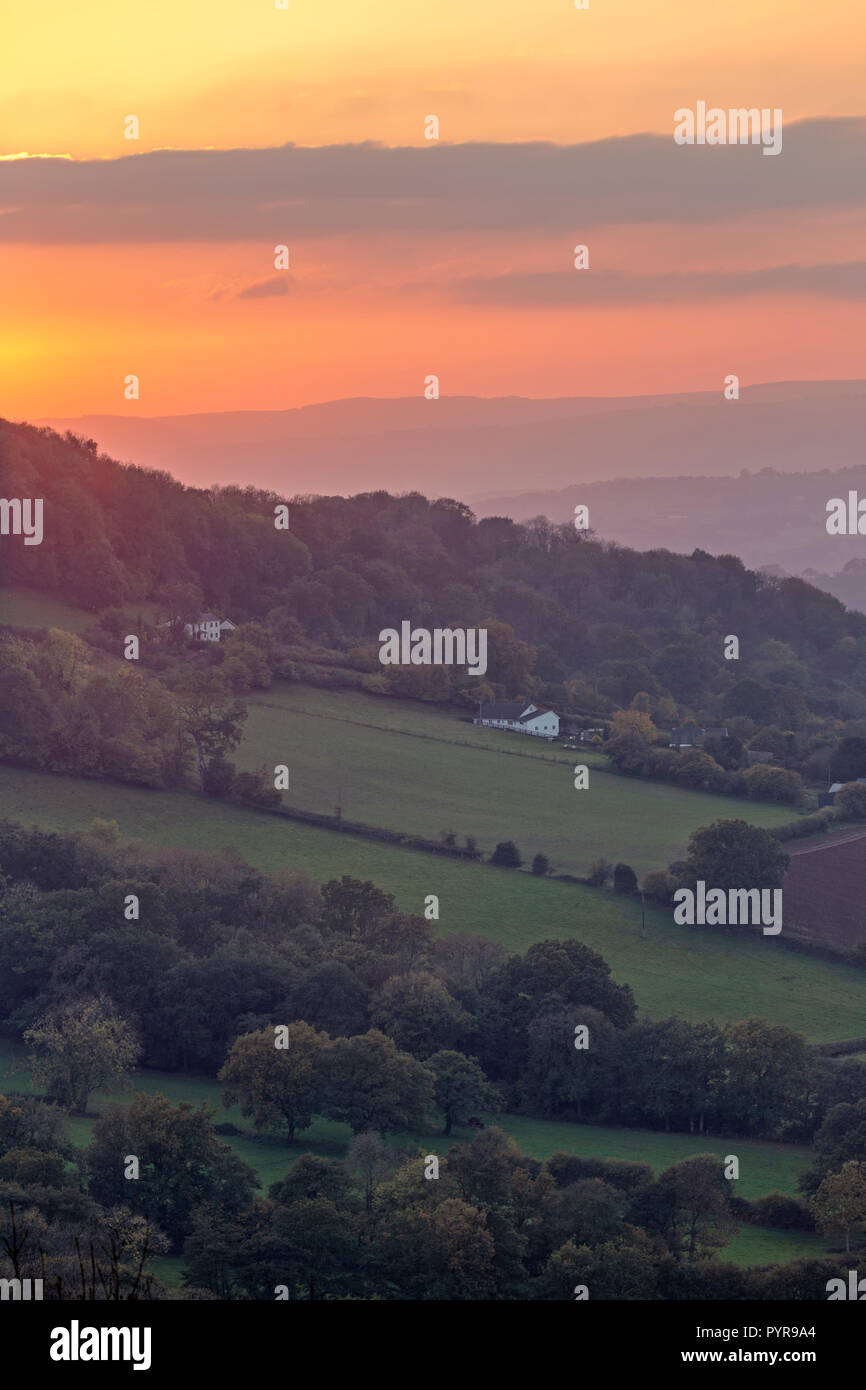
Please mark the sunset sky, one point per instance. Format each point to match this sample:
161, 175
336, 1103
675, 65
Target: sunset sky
305, 126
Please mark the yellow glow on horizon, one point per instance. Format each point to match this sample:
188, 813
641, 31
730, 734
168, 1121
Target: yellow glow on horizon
219, 73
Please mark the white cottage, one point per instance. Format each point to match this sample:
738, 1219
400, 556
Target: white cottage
519, 717
207, 627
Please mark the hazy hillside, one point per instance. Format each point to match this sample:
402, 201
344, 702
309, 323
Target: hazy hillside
573, 608
768, 518
467, 446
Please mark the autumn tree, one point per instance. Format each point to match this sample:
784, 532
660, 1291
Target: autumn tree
690, 1205
369, 1158
734, 854
633, 721
419, 1013
181, 1163
211, 717
80, 1048
274, 1084
840, 1201
850, 801
370, 1084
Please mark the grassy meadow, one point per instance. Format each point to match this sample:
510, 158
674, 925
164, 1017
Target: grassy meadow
692, 972
28, 608
764, 1167
425, 771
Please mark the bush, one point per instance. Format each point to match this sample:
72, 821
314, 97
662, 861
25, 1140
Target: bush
663, 763
506, 855
253, 789
218, 778
699, 771
765, 783
850, 801
624, 879
540, 865
600, 871
782, 1212
660, 886
566, 1168
805, 825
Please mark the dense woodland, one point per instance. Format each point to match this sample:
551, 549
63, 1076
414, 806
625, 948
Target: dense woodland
588, 626
220, 951
389, 1030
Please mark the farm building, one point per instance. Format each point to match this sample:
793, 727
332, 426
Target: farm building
207, 627
519, 717
759, 755
828, 797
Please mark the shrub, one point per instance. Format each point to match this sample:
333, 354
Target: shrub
600, 871
805, 825
659, 886
850, 801
699, 771
765, 783
506, 855
218, 778
253, 789
782, 1212
540, 865
624, 879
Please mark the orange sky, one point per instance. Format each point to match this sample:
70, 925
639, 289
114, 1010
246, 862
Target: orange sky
373, 311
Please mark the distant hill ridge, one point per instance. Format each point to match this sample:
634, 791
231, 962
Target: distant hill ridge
468, 446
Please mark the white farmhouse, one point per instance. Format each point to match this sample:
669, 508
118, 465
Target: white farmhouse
519, 717
207, 627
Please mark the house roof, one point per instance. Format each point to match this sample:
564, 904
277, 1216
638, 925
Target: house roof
519, 711
503, 709
689, 733
207, 618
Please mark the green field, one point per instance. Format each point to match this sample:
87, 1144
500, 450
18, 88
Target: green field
697, 974
425, 771
761, 1245
763, 1167
28, 608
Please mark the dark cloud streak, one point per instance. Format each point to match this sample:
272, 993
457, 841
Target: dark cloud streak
367, 189
572, 287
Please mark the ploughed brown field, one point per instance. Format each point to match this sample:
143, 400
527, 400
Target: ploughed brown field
825, 892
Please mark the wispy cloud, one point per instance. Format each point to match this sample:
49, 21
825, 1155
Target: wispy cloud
569, 287
265, 289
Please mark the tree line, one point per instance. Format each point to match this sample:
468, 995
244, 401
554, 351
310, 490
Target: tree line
586, 625
219, 955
